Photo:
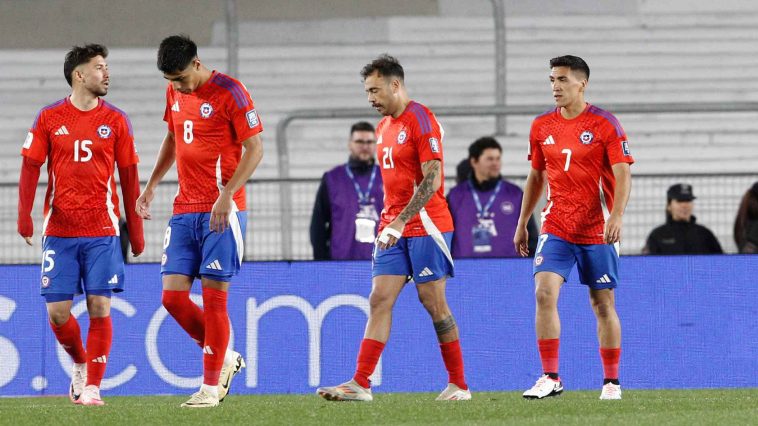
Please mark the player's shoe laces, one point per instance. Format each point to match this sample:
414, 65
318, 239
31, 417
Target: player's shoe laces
453, 393
78, 380
348, 391
201, 399
611, 391
228, 371
544, 388
91, 396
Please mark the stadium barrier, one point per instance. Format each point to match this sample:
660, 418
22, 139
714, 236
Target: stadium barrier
688, 322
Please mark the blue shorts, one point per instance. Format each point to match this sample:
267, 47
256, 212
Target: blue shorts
73, 265
597, 264
190, 248
421, 259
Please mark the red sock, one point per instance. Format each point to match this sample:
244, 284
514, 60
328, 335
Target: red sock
549, 354
70, 337
98, 348
610, 358
217, 337
368, 357
186, 313
451, 354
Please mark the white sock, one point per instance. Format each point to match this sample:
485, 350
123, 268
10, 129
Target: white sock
230, 357
209, 389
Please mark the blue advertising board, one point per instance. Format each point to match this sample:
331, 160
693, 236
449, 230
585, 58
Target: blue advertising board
688, 322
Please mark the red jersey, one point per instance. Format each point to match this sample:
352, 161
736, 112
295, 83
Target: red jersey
578, 155
402, 145
80, 148
209, 126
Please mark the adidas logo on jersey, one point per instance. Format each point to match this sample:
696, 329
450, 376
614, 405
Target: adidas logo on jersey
549, 141
113, 280
426, 272
603, 280
175, 106
207, 350
215, 265
101, 359
61, 131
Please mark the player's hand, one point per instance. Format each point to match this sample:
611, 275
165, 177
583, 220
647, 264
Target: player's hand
390, 234
521, 241
612, 232
220, 213
26, 228
143, 204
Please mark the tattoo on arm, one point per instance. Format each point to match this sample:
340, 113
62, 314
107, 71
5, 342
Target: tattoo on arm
424, 192
444, 326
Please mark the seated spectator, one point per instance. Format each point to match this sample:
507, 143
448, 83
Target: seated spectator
680, 234
486, 207
348, 202
746, 223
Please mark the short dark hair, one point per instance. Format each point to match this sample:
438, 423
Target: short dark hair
386, 66
175, 53
361, 126
575, 63
476, 149
81, 55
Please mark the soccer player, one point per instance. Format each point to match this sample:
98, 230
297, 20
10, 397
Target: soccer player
211, 118
581, 151
81, 137
415, 230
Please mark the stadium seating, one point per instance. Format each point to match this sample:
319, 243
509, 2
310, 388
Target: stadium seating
660, 56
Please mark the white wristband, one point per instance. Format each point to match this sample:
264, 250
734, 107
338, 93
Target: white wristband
384, 237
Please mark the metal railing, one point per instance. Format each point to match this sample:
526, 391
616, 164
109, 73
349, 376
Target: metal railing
716, 206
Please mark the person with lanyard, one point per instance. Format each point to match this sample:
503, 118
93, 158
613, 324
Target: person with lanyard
485, 207
348, 202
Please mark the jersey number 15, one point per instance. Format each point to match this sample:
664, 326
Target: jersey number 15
82, 152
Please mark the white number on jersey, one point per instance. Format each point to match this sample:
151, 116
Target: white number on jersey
47, 260
188, 136
167, 238
568, 158
82, 146
387, 161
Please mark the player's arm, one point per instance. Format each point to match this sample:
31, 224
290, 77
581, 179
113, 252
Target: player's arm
432, 171
247, 165
166, 158
623, 175
535, 184
129, 178
27, 189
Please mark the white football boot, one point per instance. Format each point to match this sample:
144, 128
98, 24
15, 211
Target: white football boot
453, 393
544, 388
348, 391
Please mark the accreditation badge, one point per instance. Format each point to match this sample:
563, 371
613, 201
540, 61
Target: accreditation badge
365, 224
483, 232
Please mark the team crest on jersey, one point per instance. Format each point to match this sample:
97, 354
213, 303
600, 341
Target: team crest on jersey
164, 259
206, 110
104, 131
434, 144
401, 137
45, 282
586, 137
538, 260
625, 148
507, 207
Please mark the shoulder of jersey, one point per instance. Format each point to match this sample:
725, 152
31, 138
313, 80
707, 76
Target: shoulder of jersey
420, 114
545, 115
606, 117
233, 88
53, 106
120, 113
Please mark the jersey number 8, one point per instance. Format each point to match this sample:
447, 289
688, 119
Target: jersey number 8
188, 135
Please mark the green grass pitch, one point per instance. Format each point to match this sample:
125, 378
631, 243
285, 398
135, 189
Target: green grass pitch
656, 407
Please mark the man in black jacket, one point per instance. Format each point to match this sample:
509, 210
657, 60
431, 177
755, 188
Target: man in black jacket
680, 234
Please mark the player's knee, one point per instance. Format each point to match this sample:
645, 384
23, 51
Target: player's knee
380, 302
545, 296
603, 309
172, 301
59, 317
